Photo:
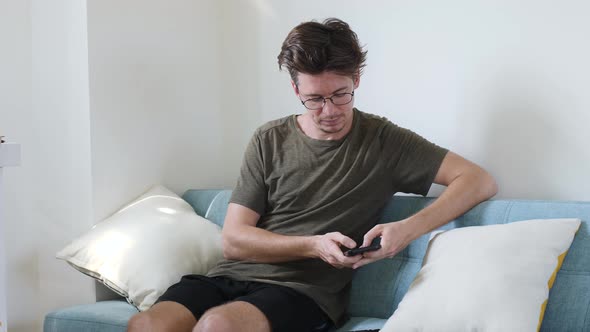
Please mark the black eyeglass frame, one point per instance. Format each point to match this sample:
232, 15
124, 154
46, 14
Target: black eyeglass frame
325, 98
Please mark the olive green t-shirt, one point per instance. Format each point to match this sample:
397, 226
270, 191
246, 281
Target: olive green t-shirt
303, 186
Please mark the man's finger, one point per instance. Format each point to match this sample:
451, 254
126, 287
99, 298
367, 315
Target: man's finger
350, 264
345, 241
370, 235
364, 261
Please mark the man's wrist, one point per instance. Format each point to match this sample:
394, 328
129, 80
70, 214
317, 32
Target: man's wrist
310, 246
417, 226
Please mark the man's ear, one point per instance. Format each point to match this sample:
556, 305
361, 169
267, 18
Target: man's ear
356, 80
295, 88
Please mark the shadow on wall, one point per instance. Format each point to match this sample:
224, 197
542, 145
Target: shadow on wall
526, 147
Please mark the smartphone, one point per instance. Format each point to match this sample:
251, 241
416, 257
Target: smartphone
375, 245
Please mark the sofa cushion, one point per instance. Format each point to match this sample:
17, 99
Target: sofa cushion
105, 316
112, 316
218, 208
488, 278
378, 288
362, 324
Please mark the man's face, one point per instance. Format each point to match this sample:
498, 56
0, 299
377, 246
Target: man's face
330, 120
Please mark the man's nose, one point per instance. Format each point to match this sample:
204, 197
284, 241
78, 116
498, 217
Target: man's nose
329, 107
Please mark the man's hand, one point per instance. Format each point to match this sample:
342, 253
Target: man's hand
328, 249
395, 236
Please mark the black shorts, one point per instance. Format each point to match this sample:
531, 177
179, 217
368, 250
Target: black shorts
285, 308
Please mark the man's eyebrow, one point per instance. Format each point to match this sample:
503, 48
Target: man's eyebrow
318, 95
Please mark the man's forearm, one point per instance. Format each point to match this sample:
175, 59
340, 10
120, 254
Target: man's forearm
461, 195
242, 240
250, 243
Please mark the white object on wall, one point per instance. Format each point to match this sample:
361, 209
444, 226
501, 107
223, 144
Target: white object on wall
9, 156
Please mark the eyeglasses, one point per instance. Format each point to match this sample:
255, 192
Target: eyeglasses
338, 99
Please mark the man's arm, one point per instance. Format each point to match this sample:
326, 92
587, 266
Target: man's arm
242, 240
467, 185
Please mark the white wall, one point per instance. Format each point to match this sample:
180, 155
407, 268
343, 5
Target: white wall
503, 83
140, 92
154, 98
61, 182
155, 101
15, 110
45, 107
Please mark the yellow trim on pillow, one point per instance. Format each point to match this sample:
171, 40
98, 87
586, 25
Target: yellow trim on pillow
560, 259
543, 306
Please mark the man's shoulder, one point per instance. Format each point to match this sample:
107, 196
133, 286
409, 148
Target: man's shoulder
281, 124
374, 122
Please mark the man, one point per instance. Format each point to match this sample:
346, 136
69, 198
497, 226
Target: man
310, 186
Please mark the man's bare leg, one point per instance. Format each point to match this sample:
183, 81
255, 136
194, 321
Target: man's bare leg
233, 316
165, 316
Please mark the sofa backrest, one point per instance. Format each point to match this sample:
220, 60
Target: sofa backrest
378, 288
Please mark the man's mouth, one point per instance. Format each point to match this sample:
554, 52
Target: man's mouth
330, 122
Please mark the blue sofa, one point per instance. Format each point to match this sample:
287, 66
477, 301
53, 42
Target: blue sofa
378, 288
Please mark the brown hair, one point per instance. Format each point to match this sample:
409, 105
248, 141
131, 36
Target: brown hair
312, 48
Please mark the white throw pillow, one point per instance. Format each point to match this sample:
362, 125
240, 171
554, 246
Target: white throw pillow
146, 247
486, 278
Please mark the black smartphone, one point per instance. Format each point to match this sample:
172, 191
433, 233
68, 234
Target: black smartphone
375, 245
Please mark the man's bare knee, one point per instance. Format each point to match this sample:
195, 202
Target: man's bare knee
163, 317
233, 316
214, 321
140, 322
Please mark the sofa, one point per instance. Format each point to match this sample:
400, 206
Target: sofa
378, 288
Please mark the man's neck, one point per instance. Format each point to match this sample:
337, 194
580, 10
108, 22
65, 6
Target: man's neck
307, 126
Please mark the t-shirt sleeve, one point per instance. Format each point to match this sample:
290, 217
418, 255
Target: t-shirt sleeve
413, 160
250, 190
